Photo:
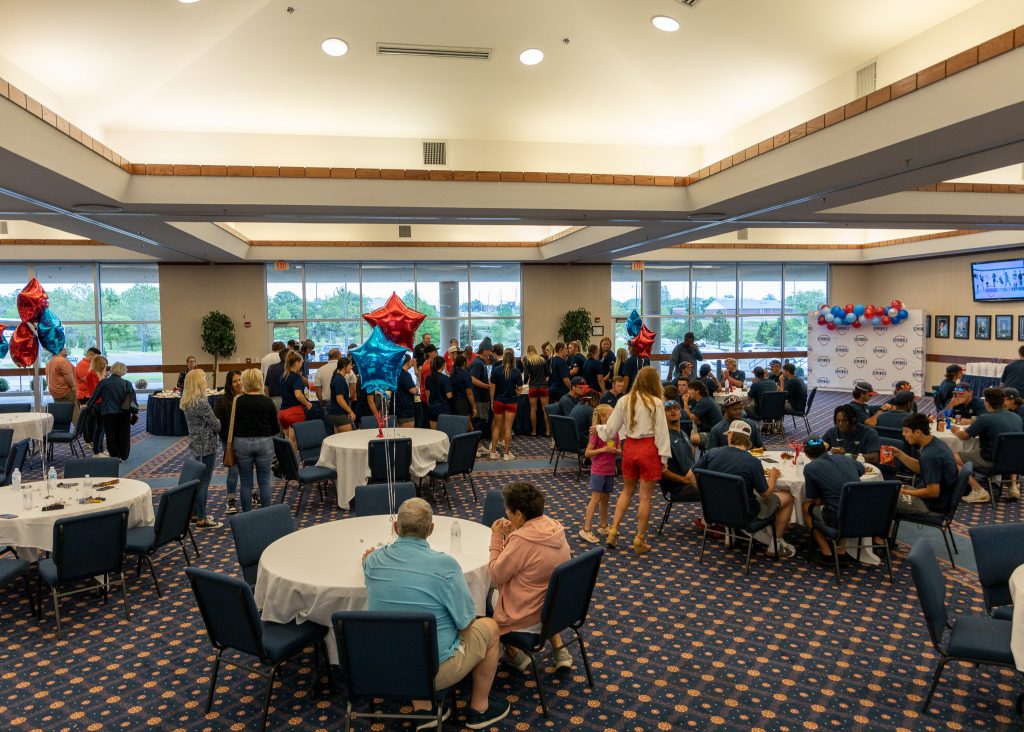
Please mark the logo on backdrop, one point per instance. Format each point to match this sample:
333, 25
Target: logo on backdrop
823, 381
824, 340
880, 330
824, 360
879, 351
899, 340
860, 340
879, 373
842, 329
919, 329
918, 352
842, 350
918, 375
899, 363
860, 362
842, 372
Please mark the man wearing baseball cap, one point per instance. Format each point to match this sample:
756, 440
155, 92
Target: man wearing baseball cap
1014, 403
893, 412
824, 477
677, 480
945, 390
862, 393
964, 404
774, 370
762, 498
732, 410
577, 391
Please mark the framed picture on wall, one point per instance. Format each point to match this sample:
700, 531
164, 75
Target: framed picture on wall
983, 327
927, 326
962, 327
942, 326
1004, 327
1020, 327
597, 330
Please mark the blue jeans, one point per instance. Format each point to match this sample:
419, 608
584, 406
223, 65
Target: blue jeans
232, 479
258, 451
204, 484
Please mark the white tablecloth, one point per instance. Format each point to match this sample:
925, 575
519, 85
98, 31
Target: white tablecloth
346, 452
1017, 631
720, 396
313, 573
954, 442
34, 529
32, 425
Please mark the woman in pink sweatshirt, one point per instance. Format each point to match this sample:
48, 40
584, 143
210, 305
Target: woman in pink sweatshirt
525, 549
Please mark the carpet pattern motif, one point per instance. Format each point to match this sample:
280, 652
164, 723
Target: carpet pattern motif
674, 643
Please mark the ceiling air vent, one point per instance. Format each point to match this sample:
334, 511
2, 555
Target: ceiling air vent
404, 231
435, 152
409, 49
867, 80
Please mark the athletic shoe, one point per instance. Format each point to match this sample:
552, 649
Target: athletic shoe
562, 659
981, 496
495, 712
509, 455
785, 550
603, 530
519, 661
493, 456
588, 536
432, 723
232, 508
1012, 493
482, 451
208, 523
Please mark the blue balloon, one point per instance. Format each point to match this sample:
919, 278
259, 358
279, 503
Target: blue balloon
838, 311
850, 317
379, 361
858, 310
51, 332
876, 321
904, 315
633, 324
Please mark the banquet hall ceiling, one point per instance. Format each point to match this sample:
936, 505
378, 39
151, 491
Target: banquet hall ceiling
164, 84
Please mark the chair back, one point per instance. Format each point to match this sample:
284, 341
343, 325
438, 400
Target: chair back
372, 500
553, 410
1008, 455
565, 434
867, 508
723, 498
229, 611
191, 470
286, 459
309, 436
998, 550
810, 400
570, 588
771, 406
960, 489
254, 531
6, 438
15, 408
494, 507
388, 655
89, 545
102, 467
63, 413
931, 588
462, 452
894, 435
173, 513
369, 422
452, 424
390, 456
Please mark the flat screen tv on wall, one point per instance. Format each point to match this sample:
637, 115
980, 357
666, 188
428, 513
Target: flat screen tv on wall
1002, 280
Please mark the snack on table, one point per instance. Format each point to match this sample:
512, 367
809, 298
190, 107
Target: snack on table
757, 451
787, 456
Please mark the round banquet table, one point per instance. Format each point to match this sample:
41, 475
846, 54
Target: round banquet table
32, 425
1017, 629
34, 529
720, 396
294, 583
164, 416
954, 442
346, 453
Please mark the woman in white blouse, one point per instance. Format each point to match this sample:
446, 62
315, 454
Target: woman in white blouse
639, 417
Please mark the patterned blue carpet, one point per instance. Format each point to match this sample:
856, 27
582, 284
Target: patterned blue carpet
674, 643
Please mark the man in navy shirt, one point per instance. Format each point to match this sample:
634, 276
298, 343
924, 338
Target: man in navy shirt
1014, 403
732, 409
685, 376
732, 377
963, 404
611, 397
850, 437
677, 480
987, 427
578, 393
1013, 374
762, 498
862, 393
558, 378
796, 390
775, 370
760, 386
892, 413
482, 390
702, 410
945, 389
632, 366
824, 478
935, 465
686, 352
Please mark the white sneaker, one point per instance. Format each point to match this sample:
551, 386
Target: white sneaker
562, 659
493, 456
1012, 493
481, 451
981, 496
784, 549
519, 660
589, 536
509, 455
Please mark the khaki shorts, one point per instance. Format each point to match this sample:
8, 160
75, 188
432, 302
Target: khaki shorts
974, 456
473, 644
767, 507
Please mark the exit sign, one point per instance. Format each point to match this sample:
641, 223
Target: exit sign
280, 266
638, 265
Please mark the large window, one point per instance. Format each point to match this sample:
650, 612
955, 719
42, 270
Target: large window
325, 301
742, 308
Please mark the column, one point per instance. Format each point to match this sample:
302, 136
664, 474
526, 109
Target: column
449, 294
652, 305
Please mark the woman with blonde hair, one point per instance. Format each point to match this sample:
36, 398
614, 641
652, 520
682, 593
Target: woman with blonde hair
535, 374
640, 418
293, 396
506, 384
619, 364
256, 423
203, 433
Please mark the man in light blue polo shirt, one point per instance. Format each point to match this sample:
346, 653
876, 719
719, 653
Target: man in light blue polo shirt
407, 576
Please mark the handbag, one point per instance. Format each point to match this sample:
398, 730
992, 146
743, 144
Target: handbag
229, 446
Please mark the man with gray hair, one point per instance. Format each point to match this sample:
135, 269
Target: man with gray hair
408, 575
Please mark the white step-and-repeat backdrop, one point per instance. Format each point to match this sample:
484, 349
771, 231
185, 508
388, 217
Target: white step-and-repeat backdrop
881, 355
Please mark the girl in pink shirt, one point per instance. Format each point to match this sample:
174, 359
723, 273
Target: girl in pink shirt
602, 475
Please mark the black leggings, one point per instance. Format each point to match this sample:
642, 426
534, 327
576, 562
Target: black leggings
118, 432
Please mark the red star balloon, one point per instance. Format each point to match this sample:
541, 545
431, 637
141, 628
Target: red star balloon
397, 320
24, 346
32, 301
644, 341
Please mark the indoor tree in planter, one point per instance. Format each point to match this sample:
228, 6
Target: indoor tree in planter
576, 326
218, 338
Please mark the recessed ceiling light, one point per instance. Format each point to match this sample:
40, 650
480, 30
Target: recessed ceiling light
334, 47
187, 2
531, 56
665, 23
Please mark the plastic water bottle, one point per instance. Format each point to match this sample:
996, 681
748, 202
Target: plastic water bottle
456, 547
16, 481
86, 486
51, 481
26, 494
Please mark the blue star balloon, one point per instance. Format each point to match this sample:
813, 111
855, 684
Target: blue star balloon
379, 361
51, 332
633, 324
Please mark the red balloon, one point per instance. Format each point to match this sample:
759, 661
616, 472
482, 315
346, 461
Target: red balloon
397, 321
869, 311
830, 326
24, 346
32, 301
643, 341
855, 324
821, 320
848, 308
886, 320
898, 304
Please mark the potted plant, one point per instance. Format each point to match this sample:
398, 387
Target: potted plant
576, 326
218, 338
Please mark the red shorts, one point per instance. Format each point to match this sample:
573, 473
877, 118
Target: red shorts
291, 415
538, 392
503, 408
640, 459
